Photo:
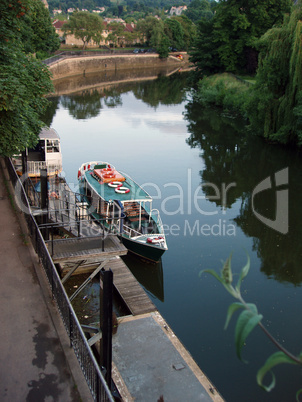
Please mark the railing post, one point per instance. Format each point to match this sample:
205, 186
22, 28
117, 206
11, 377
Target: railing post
103, 239
44, 199
106, 325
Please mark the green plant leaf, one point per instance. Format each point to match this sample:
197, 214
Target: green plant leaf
245, 324
231, 310
235, 306
298, 394
228, 286
226, 272
272, 361
213, 273
243, 273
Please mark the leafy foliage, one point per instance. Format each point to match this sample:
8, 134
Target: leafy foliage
24, 81
85, 26
204, 53
248, 319
200, 9
37, 33
175, 33
229, 37
274, 108
222, 90
152, 29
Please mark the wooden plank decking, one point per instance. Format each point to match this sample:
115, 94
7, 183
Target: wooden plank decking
129, 289
80, 248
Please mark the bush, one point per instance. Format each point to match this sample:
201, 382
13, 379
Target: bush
223, 90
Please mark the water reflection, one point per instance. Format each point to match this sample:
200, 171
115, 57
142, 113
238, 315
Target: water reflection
241, 161
88, 102
149, 275
103, 80
84, 106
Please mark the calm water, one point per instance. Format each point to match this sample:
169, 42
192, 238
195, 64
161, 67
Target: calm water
153, 132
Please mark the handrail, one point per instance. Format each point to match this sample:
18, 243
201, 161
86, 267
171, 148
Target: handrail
81, 53
156, 216
94, 377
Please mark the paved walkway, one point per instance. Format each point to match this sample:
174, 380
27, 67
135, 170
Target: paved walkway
36, 362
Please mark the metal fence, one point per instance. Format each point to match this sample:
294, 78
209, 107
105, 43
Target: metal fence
78, 341
82, 53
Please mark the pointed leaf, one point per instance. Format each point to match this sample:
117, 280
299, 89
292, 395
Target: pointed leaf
252, 307
231, 310
228, 286
213, 273
243, 273
247, 321
234, 307
272, 361
226, 272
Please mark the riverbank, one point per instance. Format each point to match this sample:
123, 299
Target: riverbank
82, 65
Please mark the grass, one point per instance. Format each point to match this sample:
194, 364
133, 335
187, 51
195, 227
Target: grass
224, 90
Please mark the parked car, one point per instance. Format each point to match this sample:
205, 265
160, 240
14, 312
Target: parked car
136, 51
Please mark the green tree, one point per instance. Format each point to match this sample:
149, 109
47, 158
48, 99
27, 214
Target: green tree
189, 31
199, 9
37, 33
24, 81
274, 107
116, 32
163, 47
204, 53
174, 31
84, 26
237, 24
152, 30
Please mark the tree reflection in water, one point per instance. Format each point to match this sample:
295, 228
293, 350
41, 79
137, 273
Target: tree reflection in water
234, 155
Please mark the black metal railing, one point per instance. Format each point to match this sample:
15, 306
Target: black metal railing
91, 370
82, 53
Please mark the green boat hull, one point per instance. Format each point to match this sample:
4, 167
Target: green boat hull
147, 251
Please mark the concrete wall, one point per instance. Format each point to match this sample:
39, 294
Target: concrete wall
85, 65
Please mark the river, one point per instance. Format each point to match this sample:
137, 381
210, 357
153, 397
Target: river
220, 191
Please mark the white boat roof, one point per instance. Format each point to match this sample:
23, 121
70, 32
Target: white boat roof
49, 134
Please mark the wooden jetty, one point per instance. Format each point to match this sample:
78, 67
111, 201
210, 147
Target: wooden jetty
85, 248
124, 282
129, 289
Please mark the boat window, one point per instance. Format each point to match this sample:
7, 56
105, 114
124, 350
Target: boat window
52, 146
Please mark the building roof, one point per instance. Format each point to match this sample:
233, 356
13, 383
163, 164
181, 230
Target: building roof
58, 24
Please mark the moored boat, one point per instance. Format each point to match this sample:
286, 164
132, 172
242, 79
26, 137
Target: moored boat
119, 202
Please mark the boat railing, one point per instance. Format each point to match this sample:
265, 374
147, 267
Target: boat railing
130, 231
154, 213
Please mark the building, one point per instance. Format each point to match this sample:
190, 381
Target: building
178, 10
70, 40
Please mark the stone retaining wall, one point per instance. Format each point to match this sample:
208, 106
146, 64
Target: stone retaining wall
85, 65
